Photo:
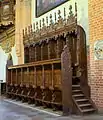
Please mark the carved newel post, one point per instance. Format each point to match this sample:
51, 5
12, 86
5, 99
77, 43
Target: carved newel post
66, 80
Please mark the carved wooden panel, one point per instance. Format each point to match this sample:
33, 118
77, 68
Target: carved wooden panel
57, 79
25, 79
8, 77
39, 77
60, 45
53, 48
66, 80
31, 76
45, 51
57, 76
19, 76
26, 55
14, 76
31, 54
48, 75
38, 52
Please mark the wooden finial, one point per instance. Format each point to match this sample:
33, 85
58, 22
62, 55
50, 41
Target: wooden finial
37, 26
55, 17
23, 33
59, 14
43, 22
64, 14
71, 12
47, 20
40, 24
76, 10
34, 26
28, 29
75, 7
51, 21
31, 29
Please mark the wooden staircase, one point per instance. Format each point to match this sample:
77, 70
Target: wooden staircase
83, 103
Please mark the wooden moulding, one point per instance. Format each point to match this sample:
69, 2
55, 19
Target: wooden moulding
51, 61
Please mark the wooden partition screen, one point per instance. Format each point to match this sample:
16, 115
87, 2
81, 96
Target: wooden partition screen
55, 58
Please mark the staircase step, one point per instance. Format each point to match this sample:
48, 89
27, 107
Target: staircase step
75, 85
78, 95
80, 100
74, 77
88, 110
76, 90
84, 105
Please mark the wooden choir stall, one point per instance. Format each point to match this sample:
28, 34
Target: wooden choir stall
54, 73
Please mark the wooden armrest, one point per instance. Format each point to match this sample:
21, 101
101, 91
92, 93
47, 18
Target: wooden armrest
57, 103
38, 99
34, 86
42, 87
51, 88
27, 86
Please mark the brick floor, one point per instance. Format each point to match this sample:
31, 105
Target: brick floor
11, 111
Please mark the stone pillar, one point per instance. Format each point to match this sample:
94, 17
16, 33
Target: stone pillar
96, 51
27, 13
23, 19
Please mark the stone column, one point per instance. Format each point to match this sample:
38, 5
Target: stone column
23, 19
27, 13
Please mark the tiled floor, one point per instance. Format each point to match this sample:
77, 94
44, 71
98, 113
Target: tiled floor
11, 111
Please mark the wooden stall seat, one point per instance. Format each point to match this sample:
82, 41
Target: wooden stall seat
57, 92
24, 93
15, 89
31, 95
48, 78
47, 97
47, 92
38, 96
39, 78
19, 92
9, 90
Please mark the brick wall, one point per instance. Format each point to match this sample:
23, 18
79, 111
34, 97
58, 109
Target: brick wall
96, 66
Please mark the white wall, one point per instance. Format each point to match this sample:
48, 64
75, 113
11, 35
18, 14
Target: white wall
82, 7
3, 61
14, 56
83, 16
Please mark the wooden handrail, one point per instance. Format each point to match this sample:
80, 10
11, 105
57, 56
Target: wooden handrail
44, 62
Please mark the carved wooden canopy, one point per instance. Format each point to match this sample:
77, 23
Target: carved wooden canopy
7, 37
47, 28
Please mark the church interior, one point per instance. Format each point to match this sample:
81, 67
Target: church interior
51, 55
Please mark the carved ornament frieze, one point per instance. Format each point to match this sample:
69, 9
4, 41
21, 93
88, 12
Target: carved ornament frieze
7, 39
46, 27
8, 44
